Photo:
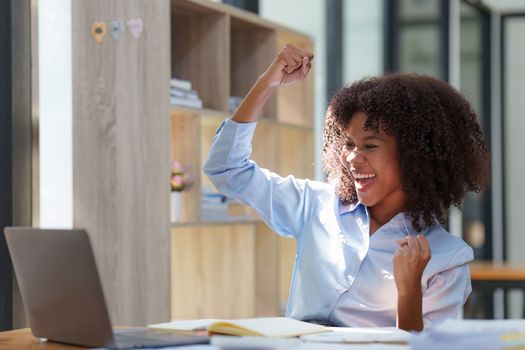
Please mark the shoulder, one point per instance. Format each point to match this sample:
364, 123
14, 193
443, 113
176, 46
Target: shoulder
319, 187
447, 251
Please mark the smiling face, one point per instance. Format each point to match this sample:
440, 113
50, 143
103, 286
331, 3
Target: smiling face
372, 160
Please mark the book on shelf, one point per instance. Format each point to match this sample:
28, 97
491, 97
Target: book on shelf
218, 207
188, 94
184, 102
278, 327
180, 84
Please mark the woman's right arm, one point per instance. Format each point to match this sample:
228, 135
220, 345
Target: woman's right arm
282, 202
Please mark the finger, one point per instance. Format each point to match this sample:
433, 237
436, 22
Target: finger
402, 241
309, 55
298, 58
304, 53
413, 245
297, 53
289, 63
425, 247
305, 67
404, 250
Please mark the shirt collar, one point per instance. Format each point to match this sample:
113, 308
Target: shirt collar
399, 223
347, 208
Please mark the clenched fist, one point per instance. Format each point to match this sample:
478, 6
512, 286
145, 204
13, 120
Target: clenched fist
410, 260
291, 64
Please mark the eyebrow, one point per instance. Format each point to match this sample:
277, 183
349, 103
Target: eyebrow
374, 137
368, 138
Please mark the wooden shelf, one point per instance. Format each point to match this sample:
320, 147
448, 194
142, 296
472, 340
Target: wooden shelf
233, 266
252, 51
213, 271
185, 129
295, 152
295, 101
199, 44
226, 222
200, 111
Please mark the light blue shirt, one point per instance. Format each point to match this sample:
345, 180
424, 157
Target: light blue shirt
342, 275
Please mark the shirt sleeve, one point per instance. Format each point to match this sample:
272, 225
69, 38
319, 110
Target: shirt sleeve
281, 202
447, 291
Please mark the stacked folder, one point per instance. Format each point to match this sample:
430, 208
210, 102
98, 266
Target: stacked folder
182, 94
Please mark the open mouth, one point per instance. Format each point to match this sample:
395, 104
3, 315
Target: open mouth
363, 182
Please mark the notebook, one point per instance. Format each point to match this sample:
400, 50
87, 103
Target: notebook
275, 327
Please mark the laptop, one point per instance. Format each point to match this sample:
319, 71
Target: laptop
62, 293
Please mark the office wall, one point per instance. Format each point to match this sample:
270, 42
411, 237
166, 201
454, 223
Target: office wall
514, 143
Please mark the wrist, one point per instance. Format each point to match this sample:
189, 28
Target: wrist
265, 81
410, 292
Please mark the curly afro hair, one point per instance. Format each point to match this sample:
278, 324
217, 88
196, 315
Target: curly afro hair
442, 152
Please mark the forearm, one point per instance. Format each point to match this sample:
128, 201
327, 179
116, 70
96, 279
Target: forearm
410, 311
251, 107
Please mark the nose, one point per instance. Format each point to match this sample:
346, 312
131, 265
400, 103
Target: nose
354, 156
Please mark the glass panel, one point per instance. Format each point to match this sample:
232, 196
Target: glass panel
419, 37
514, 144
363, 39
475, 219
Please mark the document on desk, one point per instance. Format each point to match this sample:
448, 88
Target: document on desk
472, 334
391, 335
260, 343
453, 326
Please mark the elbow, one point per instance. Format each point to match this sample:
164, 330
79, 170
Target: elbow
218, 177
208, 168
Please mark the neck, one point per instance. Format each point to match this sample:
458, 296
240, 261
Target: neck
382, 216
383, 212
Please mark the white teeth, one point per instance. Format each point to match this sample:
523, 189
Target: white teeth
364, 176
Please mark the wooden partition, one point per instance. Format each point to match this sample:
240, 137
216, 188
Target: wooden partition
121, 153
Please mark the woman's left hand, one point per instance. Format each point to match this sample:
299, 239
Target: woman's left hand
410, 260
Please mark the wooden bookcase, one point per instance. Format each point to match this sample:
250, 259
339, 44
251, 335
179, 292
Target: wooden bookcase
233, 267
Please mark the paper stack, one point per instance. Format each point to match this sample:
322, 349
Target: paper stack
183, 95
218, 207
214, 206
472, 334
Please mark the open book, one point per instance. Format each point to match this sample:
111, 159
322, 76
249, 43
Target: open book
278, 327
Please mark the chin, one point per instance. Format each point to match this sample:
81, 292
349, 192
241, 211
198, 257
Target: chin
367, 201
